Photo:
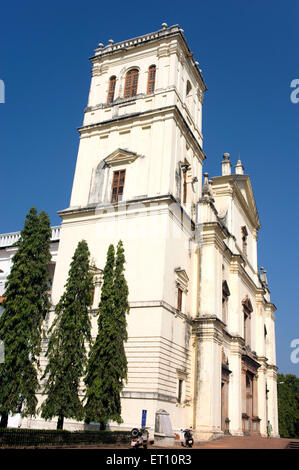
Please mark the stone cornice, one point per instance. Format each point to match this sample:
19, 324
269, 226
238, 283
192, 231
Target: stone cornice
114, 208
163, 304
250, 361
153, 112
208, 327
148, 396
165, 35
122, 102
213, 233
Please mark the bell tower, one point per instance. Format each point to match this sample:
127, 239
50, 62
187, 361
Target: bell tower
138, 178
145, 102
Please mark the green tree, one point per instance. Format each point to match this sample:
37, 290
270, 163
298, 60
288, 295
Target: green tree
121, 306
288, 405
25, 307
67, 343
107, 365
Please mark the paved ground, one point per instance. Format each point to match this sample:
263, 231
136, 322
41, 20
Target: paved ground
227, 442
245, 442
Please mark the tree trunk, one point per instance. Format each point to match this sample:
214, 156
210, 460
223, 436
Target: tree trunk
4, 420
60, 422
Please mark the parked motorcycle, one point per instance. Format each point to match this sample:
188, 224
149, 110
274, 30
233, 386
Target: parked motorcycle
139, 437
188, 438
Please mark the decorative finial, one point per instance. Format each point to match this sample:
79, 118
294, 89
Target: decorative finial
206, 187
100, 45
239, 168
226, 165
164, 25
111, 41
263, 276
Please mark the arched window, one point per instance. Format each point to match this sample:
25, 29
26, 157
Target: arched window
131, 83
111, 89
151, 79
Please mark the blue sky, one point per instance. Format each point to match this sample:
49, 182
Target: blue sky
248, 51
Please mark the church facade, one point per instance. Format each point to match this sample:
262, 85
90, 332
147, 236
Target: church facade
201, 327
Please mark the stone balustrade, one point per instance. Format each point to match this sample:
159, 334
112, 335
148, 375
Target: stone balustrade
8, 239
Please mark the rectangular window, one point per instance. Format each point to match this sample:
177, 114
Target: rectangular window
184, 187
180, 391
93, 290
180, 299
118, 184
224, 309
247, 332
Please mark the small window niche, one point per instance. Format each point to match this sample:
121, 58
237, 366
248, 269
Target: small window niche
225, 296
186, 177
244, 234
247, 311
188, 94
97, 275
181, 283
181, 387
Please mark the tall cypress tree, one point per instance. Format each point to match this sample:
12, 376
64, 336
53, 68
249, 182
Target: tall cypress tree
67, 344
25, 307
121, 309
107, 366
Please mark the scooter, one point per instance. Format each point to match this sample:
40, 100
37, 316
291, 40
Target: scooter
188, 438
139, 437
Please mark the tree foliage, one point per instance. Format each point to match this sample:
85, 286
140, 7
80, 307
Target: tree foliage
69, 334
25, 307
288, 405
107, 365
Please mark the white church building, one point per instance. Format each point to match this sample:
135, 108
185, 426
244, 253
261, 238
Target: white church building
201, 327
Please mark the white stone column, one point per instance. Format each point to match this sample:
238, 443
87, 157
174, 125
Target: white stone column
270, 325
235, 307
211, 271
235, 390
262, 398
272, 400
208, 404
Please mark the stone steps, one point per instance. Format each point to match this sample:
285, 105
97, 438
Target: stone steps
293, 445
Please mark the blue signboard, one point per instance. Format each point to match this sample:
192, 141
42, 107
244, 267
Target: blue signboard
143, 420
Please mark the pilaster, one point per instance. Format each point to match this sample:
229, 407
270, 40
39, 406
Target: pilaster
208, 399
235, 406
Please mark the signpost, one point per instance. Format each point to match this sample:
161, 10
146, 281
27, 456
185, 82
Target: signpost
143, 419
